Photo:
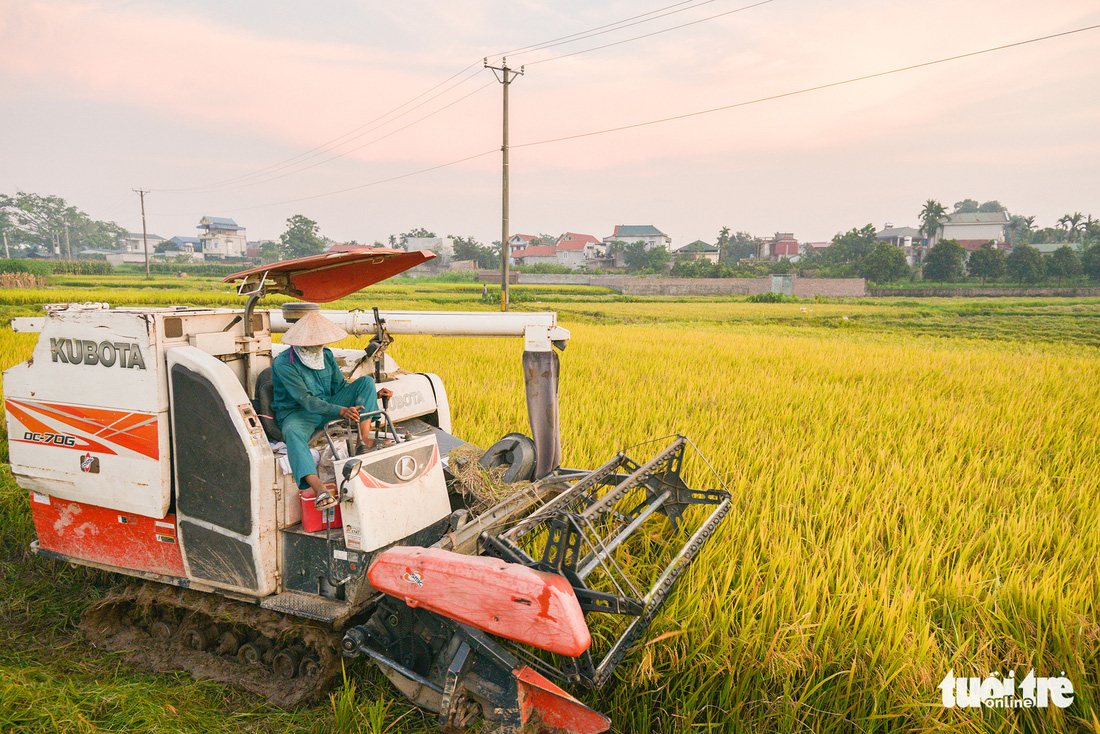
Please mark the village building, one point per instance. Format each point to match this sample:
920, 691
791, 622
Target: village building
222, 237
699, 250
782, 245
536, 254
647, 233
134, 242
443, 247
906, 239
974, 229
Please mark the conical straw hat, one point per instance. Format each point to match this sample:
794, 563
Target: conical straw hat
313, 330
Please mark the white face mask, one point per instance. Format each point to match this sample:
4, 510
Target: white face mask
312, 357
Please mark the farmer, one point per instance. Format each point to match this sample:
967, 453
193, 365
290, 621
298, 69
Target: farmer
310, 391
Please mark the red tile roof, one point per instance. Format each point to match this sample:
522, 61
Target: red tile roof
536, 251
785, 246
972, 245
572, 245
574, 237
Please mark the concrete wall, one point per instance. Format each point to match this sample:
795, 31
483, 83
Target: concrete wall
984, 292
631, 286
840, 287
802, 287
548, 279
691, 286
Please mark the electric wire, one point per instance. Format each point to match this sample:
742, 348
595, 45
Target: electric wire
651, 34
369, 184
118, 206
607, 28
806, 90
335, 142
696, 113
355, 133
352, 150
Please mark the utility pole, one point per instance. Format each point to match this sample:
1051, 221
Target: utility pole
7, 254
144, 234
505, 76
68, 247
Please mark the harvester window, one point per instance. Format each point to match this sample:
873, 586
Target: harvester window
173, 328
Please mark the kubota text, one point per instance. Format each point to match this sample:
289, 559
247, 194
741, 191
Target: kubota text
79, 351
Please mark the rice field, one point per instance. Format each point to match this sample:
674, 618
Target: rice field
915, 491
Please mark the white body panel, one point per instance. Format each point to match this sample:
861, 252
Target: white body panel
261, 538
87, 416
398, 491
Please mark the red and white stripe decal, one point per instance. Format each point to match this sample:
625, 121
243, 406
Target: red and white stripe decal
373, 482
100, 430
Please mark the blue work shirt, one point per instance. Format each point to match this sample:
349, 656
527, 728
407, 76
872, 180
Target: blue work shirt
298, 387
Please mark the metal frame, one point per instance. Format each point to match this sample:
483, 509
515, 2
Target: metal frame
577, 534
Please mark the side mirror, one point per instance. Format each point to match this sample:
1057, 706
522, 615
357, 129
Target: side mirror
351, 469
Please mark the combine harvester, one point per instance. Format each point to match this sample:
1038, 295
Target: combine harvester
143, 438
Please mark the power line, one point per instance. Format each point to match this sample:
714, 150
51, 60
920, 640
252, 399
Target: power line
807, 89
607, 28
325, 147
379, 182
654, 33
351, 150
697, 113
355, 133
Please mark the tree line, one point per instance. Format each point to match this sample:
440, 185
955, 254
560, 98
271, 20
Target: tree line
39, 226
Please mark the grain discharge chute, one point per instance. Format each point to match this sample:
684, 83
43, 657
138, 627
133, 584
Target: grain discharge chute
145, 440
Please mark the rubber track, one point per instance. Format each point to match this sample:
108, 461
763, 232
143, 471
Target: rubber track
118, 623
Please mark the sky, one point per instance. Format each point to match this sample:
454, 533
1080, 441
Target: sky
377, 118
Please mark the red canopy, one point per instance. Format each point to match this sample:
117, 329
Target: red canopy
333, 275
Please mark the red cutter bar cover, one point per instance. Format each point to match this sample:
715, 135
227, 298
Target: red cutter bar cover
506, 599
335, 274
542, 702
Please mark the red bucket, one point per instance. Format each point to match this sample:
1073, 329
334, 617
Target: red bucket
314, 520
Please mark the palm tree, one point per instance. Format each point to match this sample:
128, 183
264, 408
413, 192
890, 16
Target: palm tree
724, 244
1071, 223
1074, 225
930, 216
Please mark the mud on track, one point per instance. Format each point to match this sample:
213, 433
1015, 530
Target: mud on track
121, 623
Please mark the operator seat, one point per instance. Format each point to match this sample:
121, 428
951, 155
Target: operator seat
264, 404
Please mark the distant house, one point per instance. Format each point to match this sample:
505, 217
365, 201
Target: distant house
808, 247
647, 233
186, 244
222, 237
782, 245
1049, 248
906, 239
972, 245
579, 250
519, 242
536, 254
133, 242
971, 227
898, 236
593, 247
570, 253
444, 247
699, 250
